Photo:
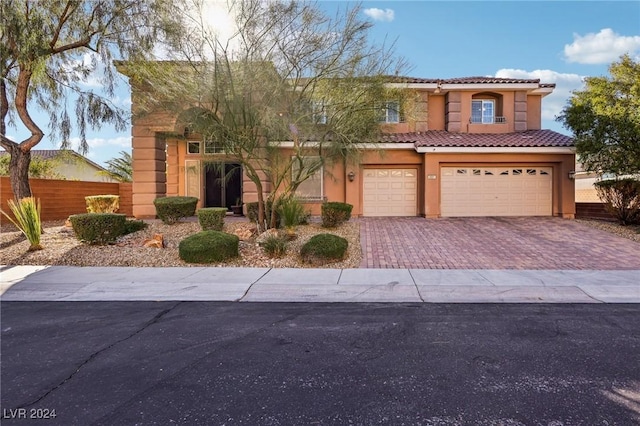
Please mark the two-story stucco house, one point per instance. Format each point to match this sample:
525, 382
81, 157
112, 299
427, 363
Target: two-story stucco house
472, 147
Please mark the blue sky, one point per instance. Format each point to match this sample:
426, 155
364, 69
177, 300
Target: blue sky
558, 42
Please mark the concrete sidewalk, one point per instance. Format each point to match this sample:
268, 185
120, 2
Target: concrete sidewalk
68, 283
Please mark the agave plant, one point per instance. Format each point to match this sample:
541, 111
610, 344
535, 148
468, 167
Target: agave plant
27, 219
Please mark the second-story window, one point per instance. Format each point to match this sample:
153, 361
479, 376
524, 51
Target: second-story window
213, 147
482, 111
390, 112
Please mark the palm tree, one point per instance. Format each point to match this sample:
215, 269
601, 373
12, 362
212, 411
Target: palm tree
121, 168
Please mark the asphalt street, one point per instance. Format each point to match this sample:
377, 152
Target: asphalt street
190, 363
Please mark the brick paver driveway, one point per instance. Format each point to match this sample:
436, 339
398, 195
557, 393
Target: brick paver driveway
492, 243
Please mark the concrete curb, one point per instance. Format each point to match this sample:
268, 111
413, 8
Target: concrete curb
68, 283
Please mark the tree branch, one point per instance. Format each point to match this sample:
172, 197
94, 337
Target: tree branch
63, 20
22, 91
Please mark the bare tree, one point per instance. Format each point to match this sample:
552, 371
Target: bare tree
47, 51
289, 77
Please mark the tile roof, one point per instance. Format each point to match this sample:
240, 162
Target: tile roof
47, 154
441, 138
470, 80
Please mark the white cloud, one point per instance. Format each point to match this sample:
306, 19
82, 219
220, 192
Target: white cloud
118, 142
565, 83
601, 48
379, 14
121, 102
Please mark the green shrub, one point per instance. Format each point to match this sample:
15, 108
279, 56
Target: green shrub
252, 213
335, 213
172, 209
212, 218
208, 247
621, 198
27, 220
131, 226
98, 228
324, 248
275, 246
102, 203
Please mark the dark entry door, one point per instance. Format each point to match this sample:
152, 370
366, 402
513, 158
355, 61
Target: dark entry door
223, 185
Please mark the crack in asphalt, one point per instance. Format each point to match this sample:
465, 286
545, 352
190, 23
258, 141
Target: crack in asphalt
138, 395
94, 355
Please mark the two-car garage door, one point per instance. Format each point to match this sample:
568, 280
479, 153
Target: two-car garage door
496, 191
464, 191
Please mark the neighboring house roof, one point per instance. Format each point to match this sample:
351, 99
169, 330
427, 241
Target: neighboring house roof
441, 138
70, 164
48, 154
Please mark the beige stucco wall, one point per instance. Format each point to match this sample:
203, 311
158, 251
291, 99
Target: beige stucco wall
74, 168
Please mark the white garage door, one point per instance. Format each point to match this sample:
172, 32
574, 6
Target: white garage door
496, 191
390, 192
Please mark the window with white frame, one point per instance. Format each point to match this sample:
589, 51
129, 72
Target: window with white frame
312, 187
390, 112
482, 111
193, 147
213, 147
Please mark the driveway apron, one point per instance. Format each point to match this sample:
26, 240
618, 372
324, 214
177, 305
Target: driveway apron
492, 243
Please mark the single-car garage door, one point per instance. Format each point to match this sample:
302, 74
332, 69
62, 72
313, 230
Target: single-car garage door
390, 192
496, 191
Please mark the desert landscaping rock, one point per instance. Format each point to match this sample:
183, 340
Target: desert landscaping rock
62, 248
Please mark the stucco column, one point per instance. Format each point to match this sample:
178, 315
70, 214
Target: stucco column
567, 202
149, 172
520, 111
173, 168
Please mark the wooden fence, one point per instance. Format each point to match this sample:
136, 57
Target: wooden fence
62, 198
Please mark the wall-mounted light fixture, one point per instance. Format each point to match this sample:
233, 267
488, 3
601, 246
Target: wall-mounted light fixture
438, 87
351, 175
572, 174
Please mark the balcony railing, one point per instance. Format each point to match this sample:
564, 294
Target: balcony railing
496, 120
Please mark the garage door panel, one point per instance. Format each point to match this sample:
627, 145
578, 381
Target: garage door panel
496, 191
390, 192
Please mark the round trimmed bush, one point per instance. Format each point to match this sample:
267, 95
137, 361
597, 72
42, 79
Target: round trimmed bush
98, 228
208, 247
335, 213
172, 209
212, 218
324, 248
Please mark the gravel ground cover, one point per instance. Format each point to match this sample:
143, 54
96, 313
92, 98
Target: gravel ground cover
62, 248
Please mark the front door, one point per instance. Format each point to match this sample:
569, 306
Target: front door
223, 185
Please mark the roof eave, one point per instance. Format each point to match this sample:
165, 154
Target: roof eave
495, 150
